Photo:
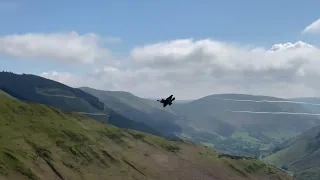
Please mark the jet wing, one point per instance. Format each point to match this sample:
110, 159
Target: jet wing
169, 98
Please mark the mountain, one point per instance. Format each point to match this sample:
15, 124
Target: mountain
175, 101
300, 154
227, 123
206, 120
147, 111
311, 103
313, 100
37, 89
41, 142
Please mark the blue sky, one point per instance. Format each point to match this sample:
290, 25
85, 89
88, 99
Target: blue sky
139, 22
142, 22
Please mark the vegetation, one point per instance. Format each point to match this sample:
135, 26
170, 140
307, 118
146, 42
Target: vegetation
41, 142
301, 155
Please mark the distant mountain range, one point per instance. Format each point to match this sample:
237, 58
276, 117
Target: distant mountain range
299, 154
175, 101
311, 103
207, 120
229, 123
226, 122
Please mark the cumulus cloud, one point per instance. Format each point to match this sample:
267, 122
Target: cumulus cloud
313, 28
66, 47
63, 77
218, 59
195, 68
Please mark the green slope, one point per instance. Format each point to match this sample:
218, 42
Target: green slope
41, 142
300, 154
37, 89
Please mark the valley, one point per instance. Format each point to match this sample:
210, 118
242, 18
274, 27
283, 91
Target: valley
207, 121
42, 142
226, 123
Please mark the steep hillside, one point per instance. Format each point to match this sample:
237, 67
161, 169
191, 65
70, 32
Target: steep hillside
37, 89
138, 109
300, 154
41, 142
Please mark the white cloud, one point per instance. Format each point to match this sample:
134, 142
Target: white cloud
62, 77
313, 28
192, 69
66, 47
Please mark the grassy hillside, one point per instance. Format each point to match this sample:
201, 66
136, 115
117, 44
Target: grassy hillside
138, 109
41, 142
300, 155
37, 89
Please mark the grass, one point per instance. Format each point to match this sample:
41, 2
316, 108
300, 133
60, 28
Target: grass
282, 134
171, 146
299, 155
40, 142
246, 166
244, 136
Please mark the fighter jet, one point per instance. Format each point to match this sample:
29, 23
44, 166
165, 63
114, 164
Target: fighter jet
167, 101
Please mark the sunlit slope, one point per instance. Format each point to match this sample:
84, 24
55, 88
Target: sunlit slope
40, 142
300, 155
